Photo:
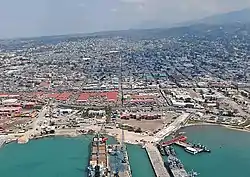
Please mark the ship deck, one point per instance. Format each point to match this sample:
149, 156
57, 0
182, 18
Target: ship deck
177, 172
101, 156
115, 162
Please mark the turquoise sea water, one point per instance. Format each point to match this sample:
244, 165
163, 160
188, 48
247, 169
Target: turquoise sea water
61, 157
68, 157
50, 157
139, 162
230, 156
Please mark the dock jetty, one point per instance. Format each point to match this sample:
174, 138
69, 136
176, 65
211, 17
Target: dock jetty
156, 161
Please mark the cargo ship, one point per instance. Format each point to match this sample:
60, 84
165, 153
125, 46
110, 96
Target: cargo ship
98, 157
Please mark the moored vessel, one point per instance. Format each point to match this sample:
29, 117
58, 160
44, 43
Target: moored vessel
98, 157
202, 147
23, 140
160, 148
191, 150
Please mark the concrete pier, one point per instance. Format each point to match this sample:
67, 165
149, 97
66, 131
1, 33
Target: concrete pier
156, 161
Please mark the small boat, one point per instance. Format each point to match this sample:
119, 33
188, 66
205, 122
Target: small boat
201, 147
182, 133
22, 140
167, 151
160, 148
172, 151
206, 150
143, 145
191, 150
193, 174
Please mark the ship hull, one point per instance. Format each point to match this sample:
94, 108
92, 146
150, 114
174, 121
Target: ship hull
98, 158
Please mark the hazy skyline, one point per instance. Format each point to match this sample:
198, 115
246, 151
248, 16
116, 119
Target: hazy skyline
49, 17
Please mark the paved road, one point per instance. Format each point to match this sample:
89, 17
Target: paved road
156, 161
172, 127
40, 117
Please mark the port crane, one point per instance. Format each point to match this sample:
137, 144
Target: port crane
122, 102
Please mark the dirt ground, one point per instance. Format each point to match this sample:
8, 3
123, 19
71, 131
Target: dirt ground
151, 125
10, 123
146, 125
168, 116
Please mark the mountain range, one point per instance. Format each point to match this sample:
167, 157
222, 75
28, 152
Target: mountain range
230, 21
242, 16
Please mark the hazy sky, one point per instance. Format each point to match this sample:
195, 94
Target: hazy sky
47, 17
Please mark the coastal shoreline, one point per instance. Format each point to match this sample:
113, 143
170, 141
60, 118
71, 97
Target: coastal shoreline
215, 124
13, 140
128, 141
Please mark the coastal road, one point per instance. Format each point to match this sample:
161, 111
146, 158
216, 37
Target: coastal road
35, 124
171, 128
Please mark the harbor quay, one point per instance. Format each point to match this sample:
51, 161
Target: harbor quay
156, 161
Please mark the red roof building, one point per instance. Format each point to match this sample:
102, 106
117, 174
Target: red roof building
52, 95
10, 109
64, 96
112, 96
29, 105
83, 97
3, 95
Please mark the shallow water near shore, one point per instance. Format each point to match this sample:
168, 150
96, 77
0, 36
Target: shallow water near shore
230, 156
